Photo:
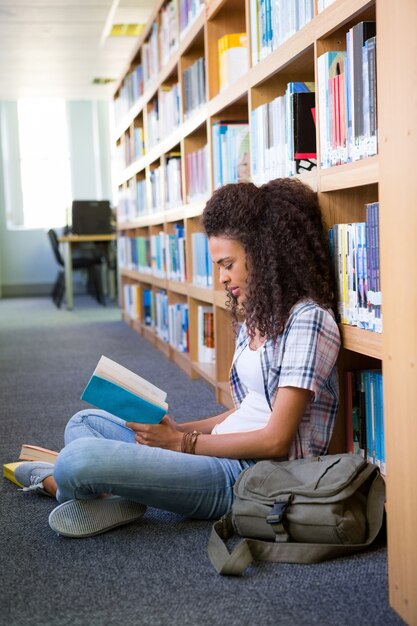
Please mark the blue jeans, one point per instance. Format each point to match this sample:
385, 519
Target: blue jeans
102, 456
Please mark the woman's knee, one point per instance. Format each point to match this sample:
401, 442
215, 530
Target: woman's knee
97, 424
73, 460
73, 423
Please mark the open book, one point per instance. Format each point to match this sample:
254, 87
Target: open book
119, 391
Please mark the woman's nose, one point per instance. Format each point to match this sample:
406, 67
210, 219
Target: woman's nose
223, 275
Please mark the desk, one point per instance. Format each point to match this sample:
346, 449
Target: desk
68, 240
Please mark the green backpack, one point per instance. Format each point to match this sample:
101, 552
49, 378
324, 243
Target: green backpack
302, 511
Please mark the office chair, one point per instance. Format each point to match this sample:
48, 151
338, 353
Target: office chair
91, 264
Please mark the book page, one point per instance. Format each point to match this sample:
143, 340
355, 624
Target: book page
115, 373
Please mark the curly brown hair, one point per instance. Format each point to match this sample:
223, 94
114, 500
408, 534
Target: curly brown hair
280, 227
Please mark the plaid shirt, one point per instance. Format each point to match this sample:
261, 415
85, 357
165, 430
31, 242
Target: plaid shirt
303, 356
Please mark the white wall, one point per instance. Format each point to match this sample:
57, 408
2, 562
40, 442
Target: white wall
27, 265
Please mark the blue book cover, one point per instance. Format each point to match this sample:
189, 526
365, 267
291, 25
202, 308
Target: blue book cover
115, 396
377, 418
381, 421
120, 402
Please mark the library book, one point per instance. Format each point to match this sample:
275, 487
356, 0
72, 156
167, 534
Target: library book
119, 391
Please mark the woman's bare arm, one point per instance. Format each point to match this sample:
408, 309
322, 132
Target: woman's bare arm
272, 441
205, 425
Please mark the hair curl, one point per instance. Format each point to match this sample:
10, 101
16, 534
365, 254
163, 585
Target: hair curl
280, 227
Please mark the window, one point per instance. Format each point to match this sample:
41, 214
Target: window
44, 162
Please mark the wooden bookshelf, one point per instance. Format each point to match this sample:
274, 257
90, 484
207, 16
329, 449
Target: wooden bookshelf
361, 341
343, 191
398, 186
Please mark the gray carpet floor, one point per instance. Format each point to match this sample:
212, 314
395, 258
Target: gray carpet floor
155, 572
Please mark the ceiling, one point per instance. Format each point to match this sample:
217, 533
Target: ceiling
56, 48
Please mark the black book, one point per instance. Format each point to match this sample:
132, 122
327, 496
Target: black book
304, 126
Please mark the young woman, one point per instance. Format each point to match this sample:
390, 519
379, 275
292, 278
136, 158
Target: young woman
271, 252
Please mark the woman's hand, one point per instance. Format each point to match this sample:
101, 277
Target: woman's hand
163, 435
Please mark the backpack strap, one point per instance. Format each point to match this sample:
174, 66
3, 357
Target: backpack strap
248, 550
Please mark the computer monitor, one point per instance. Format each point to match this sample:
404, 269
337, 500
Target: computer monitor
91, 217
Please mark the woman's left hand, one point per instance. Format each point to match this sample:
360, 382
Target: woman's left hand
162, 435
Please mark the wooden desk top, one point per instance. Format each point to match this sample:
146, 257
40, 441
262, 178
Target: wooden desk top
81, 238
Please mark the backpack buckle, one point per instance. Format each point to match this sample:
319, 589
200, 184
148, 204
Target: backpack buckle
277, 513
276, 518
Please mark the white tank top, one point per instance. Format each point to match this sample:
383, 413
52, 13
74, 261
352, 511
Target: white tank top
254, 412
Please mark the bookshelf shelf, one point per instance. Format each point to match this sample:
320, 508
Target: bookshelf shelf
362, 341
296, 51
182, 360
341, 14
343, 191
178, 287
206, 371
235, 92
149, 334
163, 346
204, 294
151, 89
349, 175
213, 7
193, 30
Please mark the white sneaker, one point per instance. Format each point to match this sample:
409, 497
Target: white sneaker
85, 518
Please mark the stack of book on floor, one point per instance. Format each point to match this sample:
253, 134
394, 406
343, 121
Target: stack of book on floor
28, 452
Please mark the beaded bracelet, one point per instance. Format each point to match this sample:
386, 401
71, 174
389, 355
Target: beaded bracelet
189, 441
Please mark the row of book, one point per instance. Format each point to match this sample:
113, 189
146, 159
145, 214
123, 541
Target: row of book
166, 31
178, 325
205, 334
202, 265
131, 146
231, 162
347, 98
354, 249
347, 101
162, 255
169, 30
364, 415
133, 196
163, 116
155, 180
274, 21
152, 124
171, 320
197, 174
169, 108
161, 324
129, 93
189, 10
233, 58
283, 137
173, 21
132, 200
194, 88
151, 56
176, 255
173, 188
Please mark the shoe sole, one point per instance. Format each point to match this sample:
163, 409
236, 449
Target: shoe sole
86, 518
